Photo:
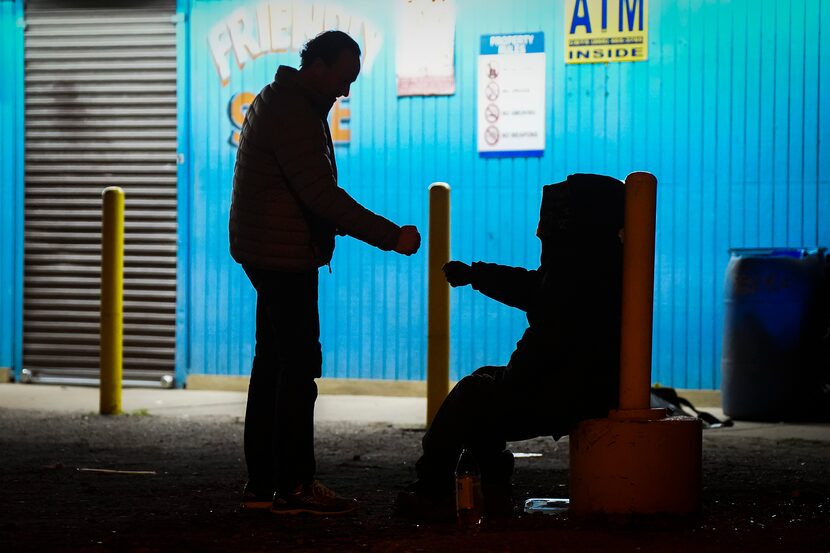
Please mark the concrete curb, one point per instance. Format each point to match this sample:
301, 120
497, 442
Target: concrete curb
407, 412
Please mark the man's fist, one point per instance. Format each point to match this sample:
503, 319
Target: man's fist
458, 273
409, 240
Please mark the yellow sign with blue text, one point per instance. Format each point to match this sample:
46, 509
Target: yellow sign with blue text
602, 31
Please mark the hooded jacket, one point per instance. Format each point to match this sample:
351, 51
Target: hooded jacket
286, 205
567, 361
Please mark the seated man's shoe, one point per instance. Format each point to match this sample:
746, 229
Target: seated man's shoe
254, 498
496, 477
419, 503
498, 500
312, 499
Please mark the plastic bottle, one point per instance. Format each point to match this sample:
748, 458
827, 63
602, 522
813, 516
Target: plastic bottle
469, 499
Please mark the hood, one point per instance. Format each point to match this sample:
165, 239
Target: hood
580, 215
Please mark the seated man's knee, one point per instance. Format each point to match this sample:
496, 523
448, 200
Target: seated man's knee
477, 388
494, 372
473, 383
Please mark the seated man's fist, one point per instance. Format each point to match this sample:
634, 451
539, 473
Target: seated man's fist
409, 240
458, 273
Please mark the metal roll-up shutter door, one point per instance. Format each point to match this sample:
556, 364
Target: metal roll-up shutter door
100, 90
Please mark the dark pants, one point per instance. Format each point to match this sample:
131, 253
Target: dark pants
483, 412
279, 419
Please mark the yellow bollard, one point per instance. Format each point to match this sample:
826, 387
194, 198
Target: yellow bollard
438, 315
112, 291
637, 291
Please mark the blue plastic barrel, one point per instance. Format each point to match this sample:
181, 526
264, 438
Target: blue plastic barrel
772, 363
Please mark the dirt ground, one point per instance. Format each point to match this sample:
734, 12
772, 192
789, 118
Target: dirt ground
759, 494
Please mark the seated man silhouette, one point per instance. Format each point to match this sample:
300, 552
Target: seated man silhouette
566, 365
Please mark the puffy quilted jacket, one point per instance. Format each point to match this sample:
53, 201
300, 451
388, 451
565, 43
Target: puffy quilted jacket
287, 206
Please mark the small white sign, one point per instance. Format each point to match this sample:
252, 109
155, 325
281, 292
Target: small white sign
511, 95
425, 47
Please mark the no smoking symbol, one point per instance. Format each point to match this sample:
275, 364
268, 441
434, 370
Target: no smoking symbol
491, 113
491, 135
492, 91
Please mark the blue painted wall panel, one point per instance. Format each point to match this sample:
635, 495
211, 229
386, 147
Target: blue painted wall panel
730, 112
184, 189
720, 177
822, 113
795, 124
810, 113
11, 183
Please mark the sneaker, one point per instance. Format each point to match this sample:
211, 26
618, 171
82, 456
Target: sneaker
256, 499
313, 499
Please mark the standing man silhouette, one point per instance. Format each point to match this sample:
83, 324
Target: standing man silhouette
286, 208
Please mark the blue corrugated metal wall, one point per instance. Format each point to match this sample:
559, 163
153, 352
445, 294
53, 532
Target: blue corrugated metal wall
11, 183
730, 112
184, 190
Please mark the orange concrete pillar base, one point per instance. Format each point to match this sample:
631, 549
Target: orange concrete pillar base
635, 465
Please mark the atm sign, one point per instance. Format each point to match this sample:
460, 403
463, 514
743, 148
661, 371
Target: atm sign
600, 31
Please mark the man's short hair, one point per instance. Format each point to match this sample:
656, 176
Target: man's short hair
327, 46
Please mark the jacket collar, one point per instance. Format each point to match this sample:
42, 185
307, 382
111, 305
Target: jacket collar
290, 78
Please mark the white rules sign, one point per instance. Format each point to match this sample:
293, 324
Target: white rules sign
511, 95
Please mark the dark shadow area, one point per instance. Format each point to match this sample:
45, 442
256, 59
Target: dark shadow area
759, 494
